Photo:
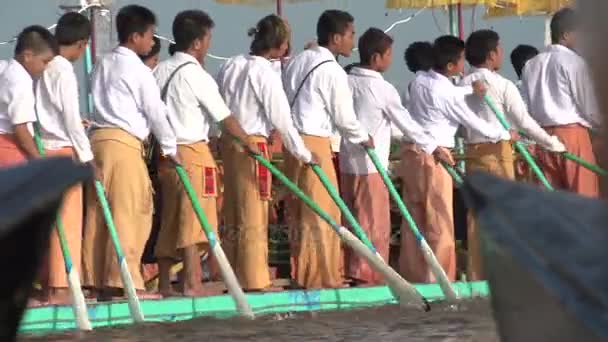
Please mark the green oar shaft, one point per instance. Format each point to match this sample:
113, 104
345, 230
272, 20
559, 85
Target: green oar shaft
348, 215
125, 275
404, 291
79, 305
427, 252
518, 145
227, 272
585, 163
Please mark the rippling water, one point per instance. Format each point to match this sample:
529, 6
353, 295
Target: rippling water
470, 321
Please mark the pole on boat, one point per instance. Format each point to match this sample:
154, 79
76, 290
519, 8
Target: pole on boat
405, 292
592, 167
227, 273
127, 280
280, 8
79, 305
456, 176
352, 221
427, 252
518, 145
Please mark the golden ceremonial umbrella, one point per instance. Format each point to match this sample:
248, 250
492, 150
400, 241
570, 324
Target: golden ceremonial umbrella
528, 7
443, 3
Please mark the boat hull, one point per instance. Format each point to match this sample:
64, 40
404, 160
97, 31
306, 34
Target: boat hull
59, 318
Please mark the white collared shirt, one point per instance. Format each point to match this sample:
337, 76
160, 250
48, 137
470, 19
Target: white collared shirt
254, 93
508, 100
3, 65
558, 89
58, 109
126, 96
439, 107
377, 105
325, 102
193, 98
17, 100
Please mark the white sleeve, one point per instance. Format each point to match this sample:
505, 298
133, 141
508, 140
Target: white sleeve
207, 92
68, 95
21, 106
276, 108
458, 110
517, 113
340, 105
401, 117
583, 92
156, 112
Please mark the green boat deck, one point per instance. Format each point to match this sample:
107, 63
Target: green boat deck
59, 318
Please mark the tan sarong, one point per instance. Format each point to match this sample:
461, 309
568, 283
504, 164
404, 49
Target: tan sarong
10, 153
316, 253
565, 174
367, 197
119, 155
180, 226
496, 159
247, 191
428, 194
71, 215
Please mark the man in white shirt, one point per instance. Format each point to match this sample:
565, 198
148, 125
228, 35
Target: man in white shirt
559, 92
128, 105
321, 101
63, 134
485, 54
255, 94
377, 105
440, 108
34, 49
195, 104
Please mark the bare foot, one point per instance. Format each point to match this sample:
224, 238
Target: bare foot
266, 289
35, 303
170, 293
146, 295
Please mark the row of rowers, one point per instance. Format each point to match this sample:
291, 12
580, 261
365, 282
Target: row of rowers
179, 103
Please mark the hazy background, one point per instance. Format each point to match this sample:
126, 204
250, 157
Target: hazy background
232, 22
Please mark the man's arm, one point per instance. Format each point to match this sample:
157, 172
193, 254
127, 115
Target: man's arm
25, 140
68, 97
21, 111
583, 92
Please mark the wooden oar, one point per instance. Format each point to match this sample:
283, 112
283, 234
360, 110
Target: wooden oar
227, 273
518, 145
402, 290
427, 252
127, 281
79, 305
335, 196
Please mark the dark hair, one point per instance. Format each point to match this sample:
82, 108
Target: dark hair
71, 28
154, 51
350, 67
189, 26
520, 55
332, 22
133, 19
37, 39
172, 49
419, 56
563, 21
270, 32
373, 41
447, 49
479, 45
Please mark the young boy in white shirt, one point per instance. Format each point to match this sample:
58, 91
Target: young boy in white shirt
34, 49
485, 54
128, 106
63, 134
